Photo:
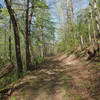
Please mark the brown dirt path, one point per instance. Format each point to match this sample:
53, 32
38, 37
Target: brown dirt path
63, 78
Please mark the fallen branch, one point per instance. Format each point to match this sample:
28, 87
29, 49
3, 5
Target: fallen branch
92, 51
6, 69
7, 91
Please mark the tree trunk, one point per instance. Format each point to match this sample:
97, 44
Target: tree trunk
94, 32
28, 26
95, 10
16, 36
5, 45
82, 42
10, 53
70, 15
89, 26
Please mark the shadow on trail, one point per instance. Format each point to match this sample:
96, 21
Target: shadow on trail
51, 79
55, 80
94, 91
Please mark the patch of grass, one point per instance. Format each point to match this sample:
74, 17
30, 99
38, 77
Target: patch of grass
89, 85
34, 84
10, 78
80, 81
66, 81
22, 94
64, 87
38, 60
3, 62
68, 95
77, 97
54, 59
13, 98
97, 63
64, 76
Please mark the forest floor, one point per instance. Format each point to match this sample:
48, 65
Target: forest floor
61, 78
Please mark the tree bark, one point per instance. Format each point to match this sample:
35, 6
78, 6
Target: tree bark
10, 53
28, 29
82, 42
5, 45
70, 15
16, 36
93, 4
28, 55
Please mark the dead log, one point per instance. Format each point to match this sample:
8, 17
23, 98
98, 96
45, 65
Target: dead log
7, 91
6, 69
91, 53
12, 87
92, 50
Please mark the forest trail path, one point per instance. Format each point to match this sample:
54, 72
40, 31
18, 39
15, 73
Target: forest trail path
60, 78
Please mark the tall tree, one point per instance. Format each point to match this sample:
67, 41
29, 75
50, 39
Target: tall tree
95, 10
43, 28
28, 30
16, 36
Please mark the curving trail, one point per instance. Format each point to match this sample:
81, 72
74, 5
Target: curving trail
60, 78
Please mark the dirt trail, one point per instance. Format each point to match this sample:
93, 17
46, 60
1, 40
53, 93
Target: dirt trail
63, 78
